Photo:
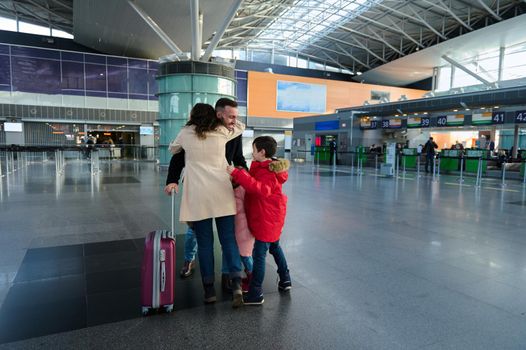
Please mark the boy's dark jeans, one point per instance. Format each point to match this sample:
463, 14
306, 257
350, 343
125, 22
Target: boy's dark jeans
258, 274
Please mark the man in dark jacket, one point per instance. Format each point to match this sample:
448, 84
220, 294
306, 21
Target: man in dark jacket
429, 150
226, 110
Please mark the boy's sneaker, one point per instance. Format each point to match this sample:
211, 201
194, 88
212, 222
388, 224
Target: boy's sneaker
186, 270
253, 300
284, 283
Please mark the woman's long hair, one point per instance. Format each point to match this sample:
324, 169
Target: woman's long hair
203, 117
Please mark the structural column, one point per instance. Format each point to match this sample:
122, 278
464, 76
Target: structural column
183, 84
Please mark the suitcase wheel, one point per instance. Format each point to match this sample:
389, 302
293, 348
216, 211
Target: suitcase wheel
169, 308
145, 311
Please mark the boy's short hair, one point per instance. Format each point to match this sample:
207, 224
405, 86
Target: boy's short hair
267, 143
223, 102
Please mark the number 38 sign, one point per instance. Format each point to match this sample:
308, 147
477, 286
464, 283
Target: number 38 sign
520, 117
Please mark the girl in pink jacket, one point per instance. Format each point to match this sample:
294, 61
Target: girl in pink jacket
244, 239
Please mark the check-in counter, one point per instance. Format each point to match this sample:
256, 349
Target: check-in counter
409, 157
450, 160
473, 157
322, 154
362, 155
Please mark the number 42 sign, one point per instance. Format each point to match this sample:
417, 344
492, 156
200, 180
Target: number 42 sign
520, 117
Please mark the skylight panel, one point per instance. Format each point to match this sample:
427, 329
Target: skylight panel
313, 19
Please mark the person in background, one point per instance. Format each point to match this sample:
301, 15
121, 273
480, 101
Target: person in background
332, 152
266, 207
429, 150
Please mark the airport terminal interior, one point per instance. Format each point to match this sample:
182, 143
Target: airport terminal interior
404, 123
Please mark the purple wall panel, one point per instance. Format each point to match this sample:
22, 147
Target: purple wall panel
72, 76
152, 83
138, 79
118, 79
133, 63
95, 77
117, 61
72, 73
34, 52
95, 59
36, 75
4, 49
72, 56
5, 72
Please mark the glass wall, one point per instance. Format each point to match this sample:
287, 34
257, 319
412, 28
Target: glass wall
30, 75
488, 66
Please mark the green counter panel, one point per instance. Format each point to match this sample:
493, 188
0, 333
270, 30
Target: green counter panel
473, 163
449, 164
410, 161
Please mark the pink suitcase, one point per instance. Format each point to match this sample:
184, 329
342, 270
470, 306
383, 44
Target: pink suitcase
158, 269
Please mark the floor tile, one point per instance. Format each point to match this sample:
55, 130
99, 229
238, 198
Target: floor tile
110, 281
29, 321
49, 269
109, 247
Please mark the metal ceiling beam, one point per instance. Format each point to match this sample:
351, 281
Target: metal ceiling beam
336, 62
406, 34
467, 70
37, 5
386, 43
219, 34
443, 7
58, 2
404, 15
367, 49
155, 27
427, 24
352, 56
490, 11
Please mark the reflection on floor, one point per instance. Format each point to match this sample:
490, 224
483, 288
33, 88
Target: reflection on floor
64, 288
376, 263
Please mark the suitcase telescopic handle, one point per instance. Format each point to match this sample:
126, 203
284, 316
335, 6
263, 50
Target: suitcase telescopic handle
173, 212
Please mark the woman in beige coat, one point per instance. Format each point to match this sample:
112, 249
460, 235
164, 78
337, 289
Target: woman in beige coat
208, 194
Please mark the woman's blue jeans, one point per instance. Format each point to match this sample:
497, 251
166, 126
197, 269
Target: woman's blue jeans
205, 242
258, 273
190, 245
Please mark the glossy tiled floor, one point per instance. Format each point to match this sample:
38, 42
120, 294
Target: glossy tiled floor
376, 263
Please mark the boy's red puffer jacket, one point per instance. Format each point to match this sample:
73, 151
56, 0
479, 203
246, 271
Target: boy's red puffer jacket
265, 203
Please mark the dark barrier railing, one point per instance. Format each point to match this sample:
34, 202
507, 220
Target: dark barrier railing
503, 168
129, 152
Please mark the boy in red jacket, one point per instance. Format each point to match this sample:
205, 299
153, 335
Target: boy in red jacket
265, 206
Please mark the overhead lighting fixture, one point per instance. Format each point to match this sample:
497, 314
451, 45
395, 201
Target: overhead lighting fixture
455, 110
496, 107
425, 113
358, 73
